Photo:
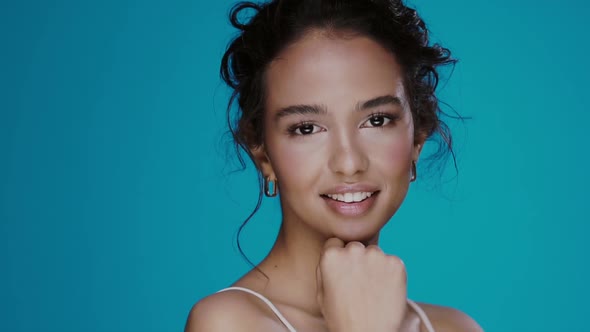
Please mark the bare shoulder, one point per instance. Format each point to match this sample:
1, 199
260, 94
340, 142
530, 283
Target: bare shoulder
447, 319
228, 311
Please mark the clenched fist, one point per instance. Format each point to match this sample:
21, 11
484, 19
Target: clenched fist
360, 288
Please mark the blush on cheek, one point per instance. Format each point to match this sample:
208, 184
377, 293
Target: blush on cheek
293, 164
397, 154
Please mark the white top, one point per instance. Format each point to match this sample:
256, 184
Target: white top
290, 327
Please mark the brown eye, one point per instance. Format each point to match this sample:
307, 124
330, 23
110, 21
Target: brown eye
377, 121
306, 129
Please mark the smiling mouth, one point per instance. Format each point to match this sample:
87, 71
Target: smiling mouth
350, 198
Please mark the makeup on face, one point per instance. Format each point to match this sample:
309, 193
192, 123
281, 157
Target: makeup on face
340, 135
351, 200
303, 120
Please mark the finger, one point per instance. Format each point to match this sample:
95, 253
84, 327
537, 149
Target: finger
333, 242
398, 261
318, 276
355, 244
375, 248
319, 286
399, 265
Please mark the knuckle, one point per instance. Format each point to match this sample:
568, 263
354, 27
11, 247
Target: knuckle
396, 262
373, 249
330, 254
355, 246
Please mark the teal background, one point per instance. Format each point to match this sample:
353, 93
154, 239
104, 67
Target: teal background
118, 208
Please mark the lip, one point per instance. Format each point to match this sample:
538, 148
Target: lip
353, 209
351, 188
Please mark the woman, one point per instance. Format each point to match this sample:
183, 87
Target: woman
336, 100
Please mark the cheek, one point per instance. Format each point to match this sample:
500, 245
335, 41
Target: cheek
295, 164
394, 154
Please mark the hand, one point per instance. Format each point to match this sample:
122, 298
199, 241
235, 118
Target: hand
360, 288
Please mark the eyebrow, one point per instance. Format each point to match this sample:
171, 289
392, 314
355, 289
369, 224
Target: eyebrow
321, 109
379, 101
301, 110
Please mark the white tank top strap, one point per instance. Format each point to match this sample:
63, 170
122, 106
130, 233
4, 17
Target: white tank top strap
265, 300
290, 327
422, 315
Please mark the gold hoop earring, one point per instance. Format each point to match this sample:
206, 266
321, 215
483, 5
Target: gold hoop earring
268, 183
414, 173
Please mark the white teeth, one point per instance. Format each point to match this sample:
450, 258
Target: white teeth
357, 197
350, 197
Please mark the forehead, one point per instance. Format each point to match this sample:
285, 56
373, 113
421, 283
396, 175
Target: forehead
337, 72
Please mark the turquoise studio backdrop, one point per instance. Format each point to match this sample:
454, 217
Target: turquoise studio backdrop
118, 205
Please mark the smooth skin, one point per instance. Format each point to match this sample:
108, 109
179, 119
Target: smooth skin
336, 116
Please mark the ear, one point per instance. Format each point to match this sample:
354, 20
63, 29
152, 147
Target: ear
418, 145
416, 152
262, 162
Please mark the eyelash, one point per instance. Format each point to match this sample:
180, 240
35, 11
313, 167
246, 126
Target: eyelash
391, 117
292, 130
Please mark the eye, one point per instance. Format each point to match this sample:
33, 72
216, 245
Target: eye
304, 129
378, 120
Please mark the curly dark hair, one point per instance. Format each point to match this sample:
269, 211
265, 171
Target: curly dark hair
279, 23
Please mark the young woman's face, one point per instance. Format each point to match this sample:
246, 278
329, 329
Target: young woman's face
339, 135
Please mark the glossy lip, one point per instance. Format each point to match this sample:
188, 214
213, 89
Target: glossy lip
353, 209
351, 188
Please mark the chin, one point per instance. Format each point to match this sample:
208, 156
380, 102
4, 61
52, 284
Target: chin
361, 234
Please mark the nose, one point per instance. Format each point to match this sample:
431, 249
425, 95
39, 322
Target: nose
347, 155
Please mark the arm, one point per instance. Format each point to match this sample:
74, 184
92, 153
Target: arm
230, 311
206, 316
220, 312
445, 319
